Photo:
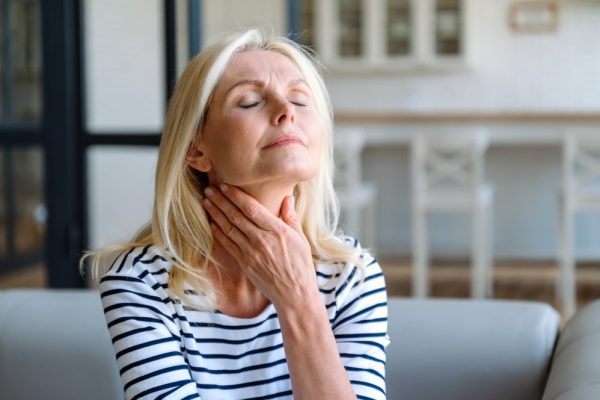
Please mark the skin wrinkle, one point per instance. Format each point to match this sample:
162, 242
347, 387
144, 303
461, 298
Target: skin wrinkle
239, 154
261, 85
232, 149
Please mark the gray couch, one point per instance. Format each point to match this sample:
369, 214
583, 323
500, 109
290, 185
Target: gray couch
54, 345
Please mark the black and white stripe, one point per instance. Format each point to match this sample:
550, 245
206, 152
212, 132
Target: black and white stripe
169, 351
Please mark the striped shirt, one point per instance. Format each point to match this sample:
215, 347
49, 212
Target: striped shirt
166, 350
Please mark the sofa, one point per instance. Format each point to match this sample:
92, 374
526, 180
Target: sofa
54, 346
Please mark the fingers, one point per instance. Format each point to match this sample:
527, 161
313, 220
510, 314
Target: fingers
249, 206
224, 225
230, 246
225, 213
242, 219
288, 214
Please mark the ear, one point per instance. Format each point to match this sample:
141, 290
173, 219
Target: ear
198, 159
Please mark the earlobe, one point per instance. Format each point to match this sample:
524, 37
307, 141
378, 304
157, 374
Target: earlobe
198, 160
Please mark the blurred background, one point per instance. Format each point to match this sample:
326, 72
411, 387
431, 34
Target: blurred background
84, 85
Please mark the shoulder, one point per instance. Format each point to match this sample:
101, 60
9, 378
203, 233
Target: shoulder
148, 265
149, 258
348, 279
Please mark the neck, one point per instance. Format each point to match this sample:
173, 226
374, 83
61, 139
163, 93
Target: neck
270, 197
237, 296
228, 274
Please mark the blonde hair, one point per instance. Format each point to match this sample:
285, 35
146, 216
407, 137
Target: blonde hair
179, 225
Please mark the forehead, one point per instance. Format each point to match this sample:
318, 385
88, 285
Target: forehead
260, 64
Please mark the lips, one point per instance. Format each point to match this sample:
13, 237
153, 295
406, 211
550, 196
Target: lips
283, 140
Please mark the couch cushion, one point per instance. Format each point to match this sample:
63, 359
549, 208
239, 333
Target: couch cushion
467, 349
576, 365
54, 345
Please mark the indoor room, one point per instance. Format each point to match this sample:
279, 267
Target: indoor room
465, 139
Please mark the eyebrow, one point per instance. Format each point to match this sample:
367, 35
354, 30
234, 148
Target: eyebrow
261, 84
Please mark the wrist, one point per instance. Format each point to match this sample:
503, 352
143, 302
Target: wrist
303, 314
299, 302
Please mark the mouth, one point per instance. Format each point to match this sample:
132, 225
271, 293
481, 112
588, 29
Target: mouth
284, 140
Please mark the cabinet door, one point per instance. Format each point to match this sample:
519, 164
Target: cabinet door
398, 28
387, 34
448, 27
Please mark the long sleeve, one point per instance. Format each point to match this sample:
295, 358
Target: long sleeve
360, 329
144, 331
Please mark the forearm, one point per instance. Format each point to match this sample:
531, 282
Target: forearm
275, 255
316, 369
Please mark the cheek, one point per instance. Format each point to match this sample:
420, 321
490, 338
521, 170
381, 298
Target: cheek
238, 131
315, 135
226, 138
229, 153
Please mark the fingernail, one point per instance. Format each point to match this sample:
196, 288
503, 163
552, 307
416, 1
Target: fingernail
209, 192
223, 187
207, 203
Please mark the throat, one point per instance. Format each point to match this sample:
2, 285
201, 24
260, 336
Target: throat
242, 303
236, 295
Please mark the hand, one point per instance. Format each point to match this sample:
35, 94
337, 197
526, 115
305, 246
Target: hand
273, 252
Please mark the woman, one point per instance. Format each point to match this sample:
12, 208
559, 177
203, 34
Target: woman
238, 287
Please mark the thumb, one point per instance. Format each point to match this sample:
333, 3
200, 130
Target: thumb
288, 213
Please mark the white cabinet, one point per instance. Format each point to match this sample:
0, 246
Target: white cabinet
386, 34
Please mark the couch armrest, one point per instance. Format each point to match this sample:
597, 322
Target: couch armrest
54, 345
467, 349
575, 373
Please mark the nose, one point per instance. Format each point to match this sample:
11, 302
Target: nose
284, 112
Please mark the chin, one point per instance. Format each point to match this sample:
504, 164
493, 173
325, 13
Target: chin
302, 177
302, 171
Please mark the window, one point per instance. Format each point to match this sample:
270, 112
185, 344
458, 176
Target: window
398, 28
306, 35
22, 173
350, 39
448, 27
20, 62
385, 34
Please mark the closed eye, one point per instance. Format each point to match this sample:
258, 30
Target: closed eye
250, 105
298, 98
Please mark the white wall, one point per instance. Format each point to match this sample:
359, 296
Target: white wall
506, 71
125, 91
120, 187
225, 16
124, 65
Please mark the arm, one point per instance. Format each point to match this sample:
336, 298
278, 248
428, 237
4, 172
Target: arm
315, 366
360, 329
145, 338
275, 255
